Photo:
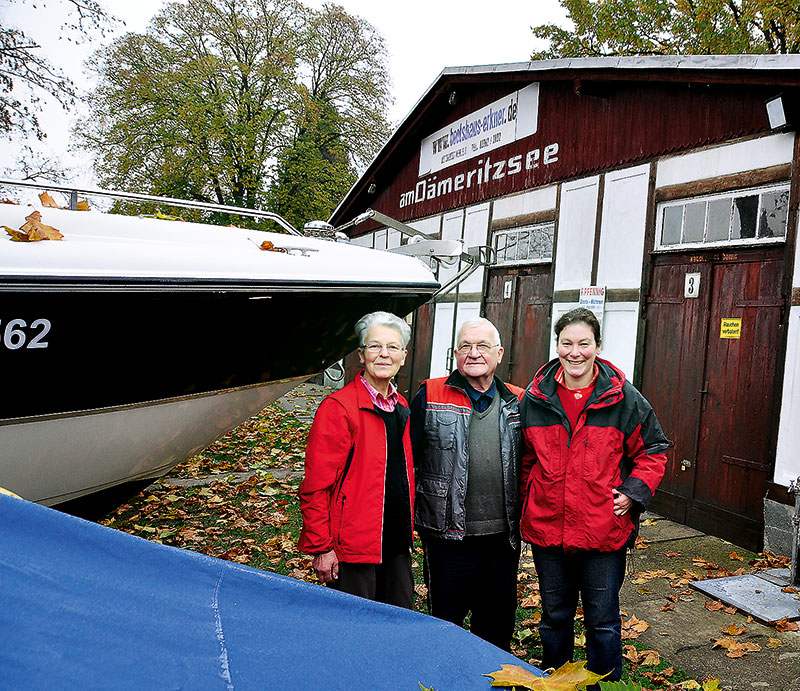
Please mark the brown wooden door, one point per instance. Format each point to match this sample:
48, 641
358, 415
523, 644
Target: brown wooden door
518, 302
715, 395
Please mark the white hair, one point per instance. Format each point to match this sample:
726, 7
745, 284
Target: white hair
479, 321
366, 322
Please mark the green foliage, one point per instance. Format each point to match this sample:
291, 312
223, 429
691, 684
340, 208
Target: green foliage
665, 27
314, 173
204, 103
619, 686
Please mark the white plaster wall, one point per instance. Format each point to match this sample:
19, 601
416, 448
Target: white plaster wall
476, 231
364, 240
429, 226
575, 244
443, 332
526, 203
452, 227
393, 238
621, 250
380, 239
787, 455
620, 324
762, 152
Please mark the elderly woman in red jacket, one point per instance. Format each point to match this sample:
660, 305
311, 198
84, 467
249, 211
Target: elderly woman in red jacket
593, 455
357, 496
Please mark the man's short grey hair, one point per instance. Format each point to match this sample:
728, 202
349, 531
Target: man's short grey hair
479, 321
366, 322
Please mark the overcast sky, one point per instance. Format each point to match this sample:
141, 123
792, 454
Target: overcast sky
422, 36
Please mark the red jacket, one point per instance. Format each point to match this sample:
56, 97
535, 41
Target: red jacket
568, 475
342, 494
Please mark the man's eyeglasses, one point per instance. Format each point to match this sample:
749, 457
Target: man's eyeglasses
466, 348
375, 348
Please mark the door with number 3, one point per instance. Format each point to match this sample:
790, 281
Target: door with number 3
713, 323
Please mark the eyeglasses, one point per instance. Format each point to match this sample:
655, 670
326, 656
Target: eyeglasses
375, 348
484, 348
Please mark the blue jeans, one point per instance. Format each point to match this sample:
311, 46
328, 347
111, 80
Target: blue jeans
598, 577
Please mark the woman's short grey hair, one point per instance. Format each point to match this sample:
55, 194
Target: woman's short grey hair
366, 322
479, 321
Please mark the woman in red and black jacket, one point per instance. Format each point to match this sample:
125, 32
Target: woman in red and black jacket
593, 455
357, 497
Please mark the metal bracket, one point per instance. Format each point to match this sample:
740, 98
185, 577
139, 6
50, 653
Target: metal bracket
794, 488
421, 245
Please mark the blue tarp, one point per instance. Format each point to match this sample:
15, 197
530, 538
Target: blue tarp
86, 607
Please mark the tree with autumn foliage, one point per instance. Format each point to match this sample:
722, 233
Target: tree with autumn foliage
672, 27
204, 103
339, 122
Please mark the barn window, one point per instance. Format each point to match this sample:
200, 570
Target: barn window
525, 245
746, 216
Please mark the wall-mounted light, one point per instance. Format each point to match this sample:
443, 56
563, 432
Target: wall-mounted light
452, 99
776, 113
372, 188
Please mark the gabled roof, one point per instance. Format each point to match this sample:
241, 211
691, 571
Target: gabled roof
776, 70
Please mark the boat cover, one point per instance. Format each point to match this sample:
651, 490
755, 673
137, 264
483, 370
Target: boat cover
86, 607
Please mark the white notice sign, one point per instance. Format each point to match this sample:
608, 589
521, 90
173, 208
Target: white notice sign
594, 298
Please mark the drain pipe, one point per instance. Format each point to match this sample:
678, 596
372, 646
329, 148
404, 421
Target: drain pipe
794, 488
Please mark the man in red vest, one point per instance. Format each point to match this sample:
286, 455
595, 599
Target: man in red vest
465, 432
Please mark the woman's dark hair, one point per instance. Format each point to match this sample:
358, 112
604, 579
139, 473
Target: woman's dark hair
579, 314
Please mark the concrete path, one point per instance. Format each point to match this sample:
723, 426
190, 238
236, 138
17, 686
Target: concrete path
685, 633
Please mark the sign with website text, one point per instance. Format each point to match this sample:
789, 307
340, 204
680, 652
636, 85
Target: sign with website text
506, 120
731, 327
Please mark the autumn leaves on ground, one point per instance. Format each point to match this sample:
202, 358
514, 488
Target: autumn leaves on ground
237, 500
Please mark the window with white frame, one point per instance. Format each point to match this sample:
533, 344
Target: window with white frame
751, 216
525, 245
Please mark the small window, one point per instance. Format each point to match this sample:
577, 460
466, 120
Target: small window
528, 244
748, 216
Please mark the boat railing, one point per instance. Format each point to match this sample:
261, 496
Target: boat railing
74, 192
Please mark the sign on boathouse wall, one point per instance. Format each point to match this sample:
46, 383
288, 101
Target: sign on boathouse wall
502, 138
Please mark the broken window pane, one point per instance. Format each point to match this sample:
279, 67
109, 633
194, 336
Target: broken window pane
774, 209
541, 240
745, 211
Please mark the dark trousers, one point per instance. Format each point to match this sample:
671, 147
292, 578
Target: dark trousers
598, 577
478, 575
390, 581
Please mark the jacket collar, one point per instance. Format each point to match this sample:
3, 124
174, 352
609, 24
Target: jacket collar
457, 380
607, 386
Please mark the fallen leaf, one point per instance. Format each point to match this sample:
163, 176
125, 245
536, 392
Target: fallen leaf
668, 608
36, 230
786, 625
734, 630
736, 648
533, 600
735, 556
714, 606
569, 676
774, 643
47, 200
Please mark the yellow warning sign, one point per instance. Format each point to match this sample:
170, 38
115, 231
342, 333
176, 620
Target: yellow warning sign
731, 327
